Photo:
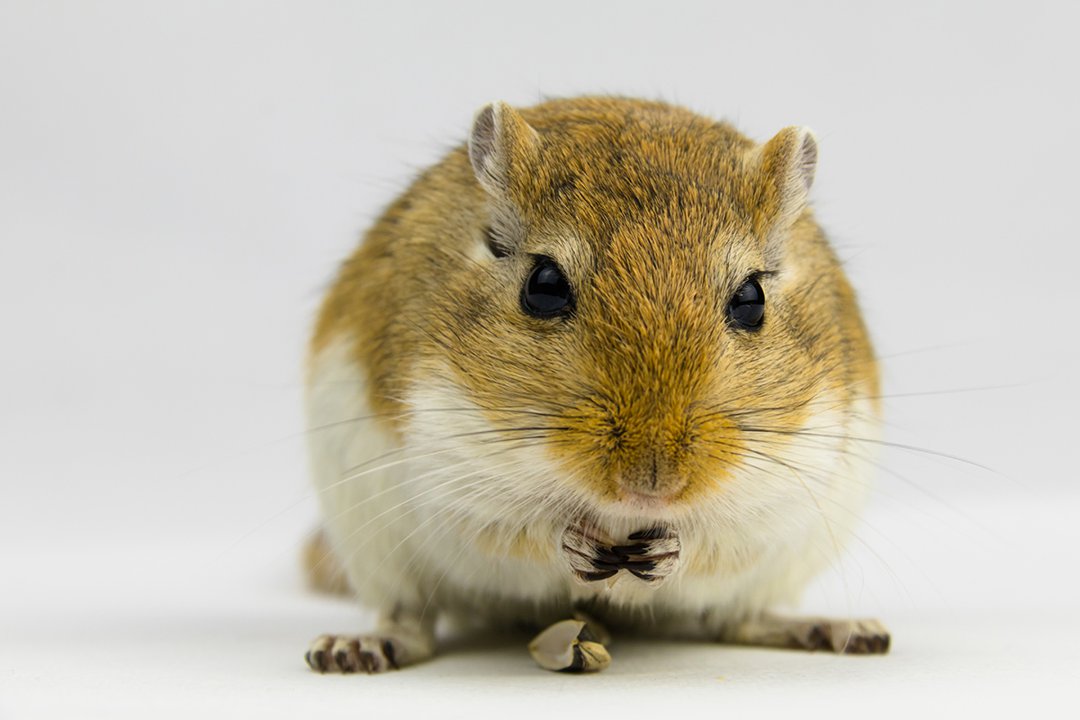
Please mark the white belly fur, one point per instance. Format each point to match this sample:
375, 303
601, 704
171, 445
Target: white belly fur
427, 523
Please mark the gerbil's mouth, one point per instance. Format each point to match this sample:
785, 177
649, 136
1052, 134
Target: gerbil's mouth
647, 502
647, 493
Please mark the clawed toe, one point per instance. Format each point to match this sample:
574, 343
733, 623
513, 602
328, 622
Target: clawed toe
352, 654
850, 637
859, 637
865, 637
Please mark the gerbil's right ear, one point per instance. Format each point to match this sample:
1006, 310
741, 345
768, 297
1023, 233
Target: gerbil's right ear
786, 166
501, 146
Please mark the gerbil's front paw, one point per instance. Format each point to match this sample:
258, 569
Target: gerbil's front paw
354, 653
651, 555
852, 637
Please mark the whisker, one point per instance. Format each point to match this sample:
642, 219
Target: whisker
445, 516
411, 498
447, 526
884, 443
431, 441
457, 557
408, 501
869, 459
818, 476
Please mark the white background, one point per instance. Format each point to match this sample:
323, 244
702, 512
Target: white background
178, 181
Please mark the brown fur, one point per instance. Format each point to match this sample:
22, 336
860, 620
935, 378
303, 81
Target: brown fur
322, 568
656, 215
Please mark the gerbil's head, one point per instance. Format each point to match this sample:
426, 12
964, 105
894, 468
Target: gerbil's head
644, 304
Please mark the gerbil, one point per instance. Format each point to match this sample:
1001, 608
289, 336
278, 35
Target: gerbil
599, 359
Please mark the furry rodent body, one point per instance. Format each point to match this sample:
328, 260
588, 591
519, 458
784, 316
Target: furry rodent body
455, 437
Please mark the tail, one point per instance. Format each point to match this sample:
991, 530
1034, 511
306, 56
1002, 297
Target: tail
322, 568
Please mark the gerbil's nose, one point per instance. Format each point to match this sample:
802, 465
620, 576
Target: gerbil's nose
653, 476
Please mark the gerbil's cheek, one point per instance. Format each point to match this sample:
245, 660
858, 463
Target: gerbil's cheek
487, 456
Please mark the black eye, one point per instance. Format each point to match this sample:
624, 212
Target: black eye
747, 307
546, 292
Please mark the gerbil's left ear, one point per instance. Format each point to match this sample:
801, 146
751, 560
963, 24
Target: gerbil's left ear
787, 164
502, 147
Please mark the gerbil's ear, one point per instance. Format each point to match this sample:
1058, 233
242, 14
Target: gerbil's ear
787, 165
501, 146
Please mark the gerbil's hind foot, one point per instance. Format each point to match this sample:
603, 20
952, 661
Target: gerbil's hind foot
401, 640
852, 637
354, 653
570, 646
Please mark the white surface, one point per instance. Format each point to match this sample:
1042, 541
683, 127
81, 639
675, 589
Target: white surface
178, 182
173, 630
